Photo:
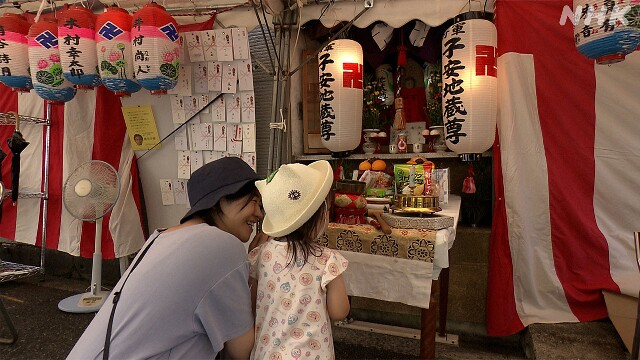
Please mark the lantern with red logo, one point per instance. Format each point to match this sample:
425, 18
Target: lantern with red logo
78, 47
113, 42
470, 84
340, 70
156, 48
44, 62
14, 53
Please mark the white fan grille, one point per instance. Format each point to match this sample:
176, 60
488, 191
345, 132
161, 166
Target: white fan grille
91, 191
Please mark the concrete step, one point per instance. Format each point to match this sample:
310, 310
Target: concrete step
588, 340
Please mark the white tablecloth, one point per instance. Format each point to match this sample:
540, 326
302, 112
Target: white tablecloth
401, 280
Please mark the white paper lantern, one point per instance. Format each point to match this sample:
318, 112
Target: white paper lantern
606, 30
113, 43
340, 69
14, 52
156, 48
469, 85
76, 39
44, 62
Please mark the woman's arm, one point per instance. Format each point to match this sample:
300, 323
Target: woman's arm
337, 299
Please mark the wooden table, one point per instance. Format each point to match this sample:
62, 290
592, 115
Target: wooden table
406, 266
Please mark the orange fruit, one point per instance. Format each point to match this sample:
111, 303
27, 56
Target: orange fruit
365, 165
379, 165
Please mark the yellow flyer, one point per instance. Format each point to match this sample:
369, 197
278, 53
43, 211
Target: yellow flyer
141, 126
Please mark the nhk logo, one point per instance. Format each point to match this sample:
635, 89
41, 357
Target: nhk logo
610, 12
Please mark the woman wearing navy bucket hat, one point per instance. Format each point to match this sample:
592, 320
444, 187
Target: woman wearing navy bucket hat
186, 294
297, 285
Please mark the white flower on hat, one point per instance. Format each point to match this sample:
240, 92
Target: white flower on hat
292, 195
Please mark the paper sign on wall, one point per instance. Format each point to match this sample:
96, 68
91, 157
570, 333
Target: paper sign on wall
141, 126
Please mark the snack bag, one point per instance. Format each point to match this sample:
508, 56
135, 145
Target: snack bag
419, 178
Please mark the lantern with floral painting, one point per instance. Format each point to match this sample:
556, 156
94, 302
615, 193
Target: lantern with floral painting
113, 42
44, 62
340, 70
76, 39
606, 30
156, 48
470, 84
14, 52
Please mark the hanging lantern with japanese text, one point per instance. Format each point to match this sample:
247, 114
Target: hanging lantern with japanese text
606, 30
14, 52
156, 48
340, 70
44, 62
113, 44
76, 39
470, 84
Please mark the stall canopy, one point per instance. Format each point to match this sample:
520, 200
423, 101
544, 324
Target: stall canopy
394, 13
228, 12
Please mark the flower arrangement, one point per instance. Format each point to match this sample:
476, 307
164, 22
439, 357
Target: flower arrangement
374, 109
434, 94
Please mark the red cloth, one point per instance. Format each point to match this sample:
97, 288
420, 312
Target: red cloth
415, 104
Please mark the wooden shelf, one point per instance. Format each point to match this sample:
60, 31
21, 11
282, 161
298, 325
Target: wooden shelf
431, 155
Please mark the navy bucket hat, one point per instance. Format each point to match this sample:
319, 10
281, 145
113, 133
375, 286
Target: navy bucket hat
217, 179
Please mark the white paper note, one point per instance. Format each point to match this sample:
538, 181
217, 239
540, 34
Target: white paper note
196, 160
250, 158
218, 110
180, 191
233, 107
202, 136
166, 191
214, 74
184, 164
194, 46
240, 40
220, 136
224, 45
209, 45
248, 105
234, 143
249, 137
200, 78
245, 75
229, 78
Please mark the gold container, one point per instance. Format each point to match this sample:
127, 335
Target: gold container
417, 203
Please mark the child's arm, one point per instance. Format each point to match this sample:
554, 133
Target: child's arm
337, 299
240, 347
253, 286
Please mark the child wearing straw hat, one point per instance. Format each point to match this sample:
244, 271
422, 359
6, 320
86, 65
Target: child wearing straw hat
297, 286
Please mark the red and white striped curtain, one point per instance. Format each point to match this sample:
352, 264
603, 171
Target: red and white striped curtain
89, 127
566, 180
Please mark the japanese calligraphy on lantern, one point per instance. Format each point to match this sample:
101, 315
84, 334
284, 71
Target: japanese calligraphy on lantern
14, 52
76, 40
156, 48
340, 81
469, 85
606, 30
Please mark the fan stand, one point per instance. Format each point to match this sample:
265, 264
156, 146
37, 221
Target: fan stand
91, 301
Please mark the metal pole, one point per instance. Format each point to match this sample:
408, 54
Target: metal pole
45, 184
286, 102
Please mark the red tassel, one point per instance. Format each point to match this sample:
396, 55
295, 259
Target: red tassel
469, 184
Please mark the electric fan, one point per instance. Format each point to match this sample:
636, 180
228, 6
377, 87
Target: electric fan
89, 194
